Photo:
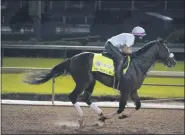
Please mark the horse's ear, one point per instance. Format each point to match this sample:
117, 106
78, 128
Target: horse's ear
160, 40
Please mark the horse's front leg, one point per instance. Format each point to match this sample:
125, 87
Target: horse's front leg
134, 96
122, 104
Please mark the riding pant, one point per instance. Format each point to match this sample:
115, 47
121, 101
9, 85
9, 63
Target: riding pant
118, 57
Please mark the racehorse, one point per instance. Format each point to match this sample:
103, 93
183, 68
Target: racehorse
79, 66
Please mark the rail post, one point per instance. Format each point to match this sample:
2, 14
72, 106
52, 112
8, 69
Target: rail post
65, 54
53, 90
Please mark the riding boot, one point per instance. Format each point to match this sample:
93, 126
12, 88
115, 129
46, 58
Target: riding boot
119, 70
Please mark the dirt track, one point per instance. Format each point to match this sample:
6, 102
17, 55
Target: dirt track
50, 120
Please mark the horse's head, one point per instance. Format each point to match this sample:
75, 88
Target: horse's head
164, 54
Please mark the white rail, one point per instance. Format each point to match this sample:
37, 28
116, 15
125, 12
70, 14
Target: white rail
67, 47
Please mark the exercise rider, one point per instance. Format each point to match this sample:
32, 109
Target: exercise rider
119, 45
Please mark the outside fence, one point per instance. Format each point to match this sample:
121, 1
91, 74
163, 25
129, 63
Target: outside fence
67, 47
93, 48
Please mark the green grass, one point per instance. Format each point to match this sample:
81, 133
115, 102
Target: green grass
11, 83
30, 62
50, 62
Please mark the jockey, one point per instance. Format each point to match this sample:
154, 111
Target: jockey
121, 43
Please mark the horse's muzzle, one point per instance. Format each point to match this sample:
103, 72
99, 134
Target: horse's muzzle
171, 62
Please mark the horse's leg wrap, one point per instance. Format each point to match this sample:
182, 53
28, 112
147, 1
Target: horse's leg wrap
78, 108
80, 112
96, 109
87, 98
73, 98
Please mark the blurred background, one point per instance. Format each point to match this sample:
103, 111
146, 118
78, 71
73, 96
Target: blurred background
86, 23
38, 34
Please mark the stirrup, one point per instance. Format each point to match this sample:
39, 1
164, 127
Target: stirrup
114, 83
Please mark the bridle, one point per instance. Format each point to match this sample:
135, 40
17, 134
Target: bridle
168, 55
153, 61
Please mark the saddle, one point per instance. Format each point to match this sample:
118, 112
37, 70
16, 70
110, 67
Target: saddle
108, 55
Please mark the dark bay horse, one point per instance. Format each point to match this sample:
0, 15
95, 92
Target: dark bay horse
79, 66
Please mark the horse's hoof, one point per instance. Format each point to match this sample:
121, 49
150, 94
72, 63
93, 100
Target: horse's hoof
81, 123
123, 116
102, 118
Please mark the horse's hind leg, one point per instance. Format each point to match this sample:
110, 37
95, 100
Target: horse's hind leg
87, 98
73, 98
82, 82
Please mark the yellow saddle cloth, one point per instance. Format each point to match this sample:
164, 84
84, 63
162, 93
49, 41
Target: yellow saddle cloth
105, 65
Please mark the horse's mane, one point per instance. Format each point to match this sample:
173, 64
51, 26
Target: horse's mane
145, 47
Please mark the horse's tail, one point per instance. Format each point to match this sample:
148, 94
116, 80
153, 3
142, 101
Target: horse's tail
42, 77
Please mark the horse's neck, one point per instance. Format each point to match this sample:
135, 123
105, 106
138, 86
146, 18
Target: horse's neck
147, 59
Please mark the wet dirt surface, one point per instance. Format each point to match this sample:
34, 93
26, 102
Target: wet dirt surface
20, 119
